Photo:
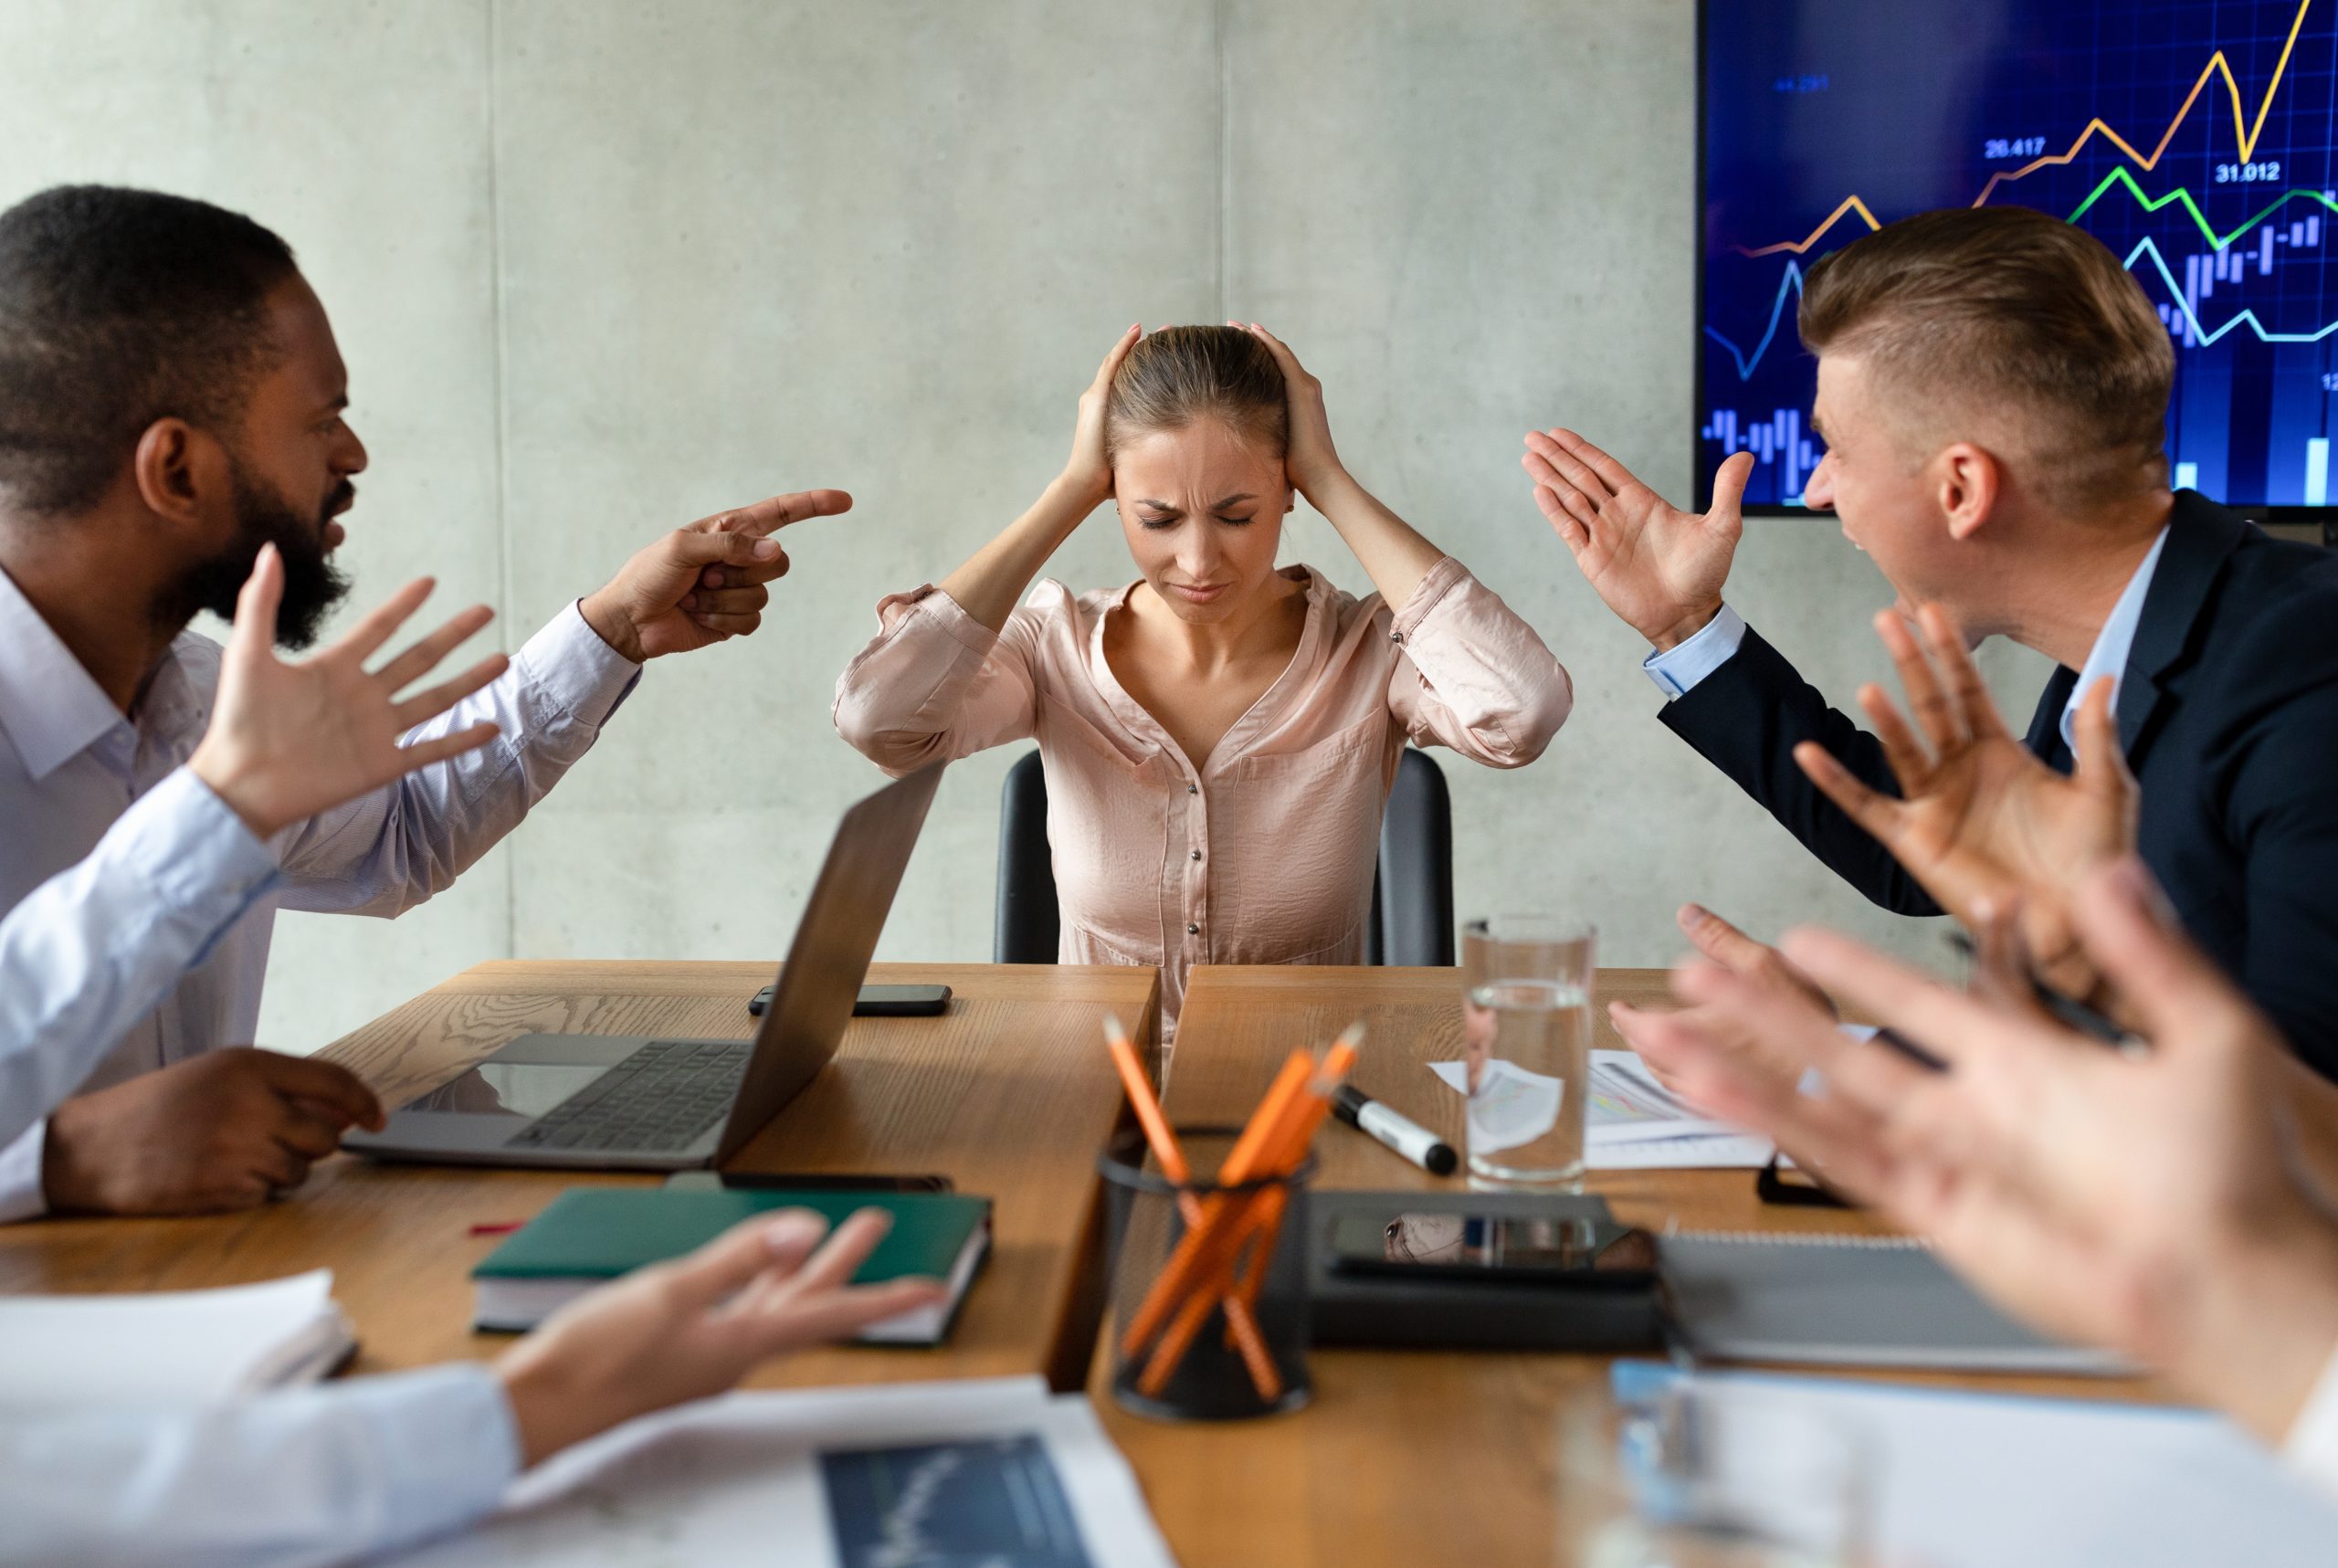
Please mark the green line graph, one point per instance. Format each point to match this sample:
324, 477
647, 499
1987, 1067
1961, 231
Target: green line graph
2182, 196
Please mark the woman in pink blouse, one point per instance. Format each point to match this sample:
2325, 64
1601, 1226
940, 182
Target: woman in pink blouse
1219, 736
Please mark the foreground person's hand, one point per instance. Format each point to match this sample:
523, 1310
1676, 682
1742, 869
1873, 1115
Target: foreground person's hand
1980, 820
227, 1130
1757, 963
288, 740
693, 1327
1660, 569
2154, 1203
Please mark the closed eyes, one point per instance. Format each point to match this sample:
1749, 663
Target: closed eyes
1158, 524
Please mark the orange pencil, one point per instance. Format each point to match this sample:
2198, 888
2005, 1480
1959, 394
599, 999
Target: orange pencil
1199, 1245
1257, 1219
1148, 1109
1241, 1321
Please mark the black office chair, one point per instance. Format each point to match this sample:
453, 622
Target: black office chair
1412, 889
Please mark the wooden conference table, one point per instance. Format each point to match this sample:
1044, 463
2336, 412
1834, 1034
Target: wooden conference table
1010, 1093
1403, 1456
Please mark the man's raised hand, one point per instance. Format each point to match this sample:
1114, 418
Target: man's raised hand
1980, 820
703, 582
290, 740
1658, 567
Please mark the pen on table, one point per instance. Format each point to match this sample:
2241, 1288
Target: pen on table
1406, 1137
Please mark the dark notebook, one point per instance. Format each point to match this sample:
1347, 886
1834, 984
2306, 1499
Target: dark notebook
589, 1236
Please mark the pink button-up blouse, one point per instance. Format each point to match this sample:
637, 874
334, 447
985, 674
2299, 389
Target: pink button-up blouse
1265, 853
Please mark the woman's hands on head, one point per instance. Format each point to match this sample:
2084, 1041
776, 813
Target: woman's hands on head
1310, 458
693, 1327
1088, 472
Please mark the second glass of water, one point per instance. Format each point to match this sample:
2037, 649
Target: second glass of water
1526, 1019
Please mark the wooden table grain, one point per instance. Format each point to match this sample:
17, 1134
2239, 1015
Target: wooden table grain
1411, 1457
1009, 1093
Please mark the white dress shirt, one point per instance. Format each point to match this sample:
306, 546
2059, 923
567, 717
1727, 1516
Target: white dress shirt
284, 1479
82, 933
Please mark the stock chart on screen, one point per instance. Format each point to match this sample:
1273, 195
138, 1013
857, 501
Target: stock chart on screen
2194, 140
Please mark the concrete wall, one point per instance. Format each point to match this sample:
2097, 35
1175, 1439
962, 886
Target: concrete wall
602, 270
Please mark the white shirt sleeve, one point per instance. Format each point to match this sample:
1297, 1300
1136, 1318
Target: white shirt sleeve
1678, 668
2312, 1446
282, 1479
95, 948
386, 852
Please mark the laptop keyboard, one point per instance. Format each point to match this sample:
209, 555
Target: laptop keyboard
662, 1096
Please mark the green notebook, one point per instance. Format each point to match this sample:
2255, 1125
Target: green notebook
589, 1236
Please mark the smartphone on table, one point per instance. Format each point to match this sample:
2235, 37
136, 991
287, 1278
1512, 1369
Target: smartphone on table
1569, 1249
881, 1002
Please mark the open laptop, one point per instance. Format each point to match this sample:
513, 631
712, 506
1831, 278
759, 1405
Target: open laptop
633, 1102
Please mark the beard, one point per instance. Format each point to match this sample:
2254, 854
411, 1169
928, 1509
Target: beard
312, 583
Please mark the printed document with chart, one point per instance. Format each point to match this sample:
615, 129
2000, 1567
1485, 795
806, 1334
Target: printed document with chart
993, 1470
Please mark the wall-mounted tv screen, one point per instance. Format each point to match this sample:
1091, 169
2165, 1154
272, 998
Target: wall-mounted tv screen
2194, 140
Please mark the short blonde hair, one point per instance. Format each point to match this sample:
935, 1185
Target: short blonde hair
1982, 306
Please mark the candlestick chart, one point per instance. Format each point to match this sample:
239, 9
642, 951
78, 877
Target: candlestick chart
2194, 140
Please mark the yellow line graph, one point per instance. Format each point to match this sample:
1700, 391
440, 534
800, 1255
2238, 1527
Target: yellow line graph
2246, 133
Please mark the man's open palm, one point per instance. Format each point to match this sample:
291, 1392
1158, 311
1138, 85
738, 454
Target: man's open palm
1658, 567
288, 740
1981, 822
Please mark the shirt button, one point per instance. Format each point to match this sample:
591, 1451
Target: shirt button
1193, 788
1396, 636
1192, 930
1197, 854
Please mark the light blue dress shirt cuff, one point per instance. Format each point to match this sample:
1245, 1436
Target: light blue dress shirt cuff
205, 866
1678, 668
288, 1479
95, 948
449, 1445
568, 666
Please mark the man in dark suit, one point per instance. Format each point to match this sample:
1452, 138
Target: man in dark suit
1992, 390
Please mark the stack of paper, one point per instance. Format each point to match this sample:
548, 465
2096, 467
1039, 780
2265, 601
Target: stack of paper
178, 1347
971, 1472
1634, 1122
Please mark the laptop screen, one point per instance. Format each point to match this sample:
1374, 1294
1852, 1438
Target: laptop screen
834, 942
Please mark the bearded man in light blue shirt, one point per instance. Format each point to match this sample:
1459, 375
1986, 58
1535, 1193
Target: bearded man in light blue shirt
172, 401
303, 1477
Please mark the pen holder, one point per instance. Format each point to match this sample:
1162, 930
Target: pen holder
1210, 1284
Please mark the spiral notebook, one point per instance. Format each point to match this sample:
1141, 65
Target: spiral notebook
1823, 1299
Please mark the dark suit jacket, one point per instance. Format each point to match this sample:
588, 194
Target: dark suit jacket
2228, 712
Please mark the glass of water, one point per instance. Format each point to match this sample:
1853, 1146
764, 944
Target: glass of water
1526, 1016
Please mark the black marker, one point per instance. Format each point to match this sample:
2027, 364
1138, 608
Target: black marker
2066, 1010
1406, 1137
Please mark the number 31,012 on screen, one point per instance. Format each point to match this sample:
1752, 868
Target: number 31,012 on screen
2249, 173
